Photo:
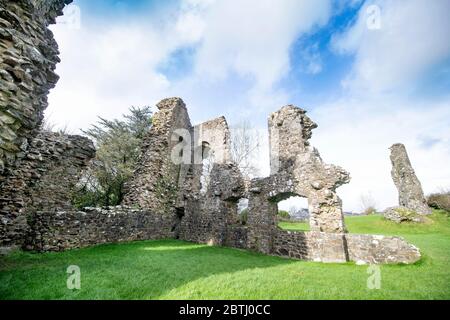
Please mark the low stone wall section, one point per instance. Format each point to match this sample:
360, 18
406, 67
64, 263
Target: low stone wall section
62, 230
335, 247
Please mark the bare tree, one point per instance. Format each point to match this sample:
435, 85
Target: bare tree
245, 148
293, 211
440, 200
368, 203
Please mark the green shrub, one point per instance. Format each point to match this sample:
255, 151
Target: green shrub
283, 214
440, 200
118, 143
370, 210
111, 195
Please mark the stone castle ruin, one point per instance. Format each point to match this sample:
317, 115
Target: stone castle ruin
186, 187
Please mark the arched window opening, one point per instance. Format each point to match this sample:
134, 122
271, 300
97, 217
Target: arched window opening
207, 165
293, 213
242, 210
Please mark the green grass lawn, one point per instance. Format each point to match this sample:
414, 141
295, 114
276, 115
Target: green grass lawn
171, 269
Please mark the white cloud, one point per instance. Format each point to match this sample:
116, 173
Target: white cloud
254, 39
313, 60
357, 134
104, 71
412, 38
109, 65
357, 130
244, 51
247, 44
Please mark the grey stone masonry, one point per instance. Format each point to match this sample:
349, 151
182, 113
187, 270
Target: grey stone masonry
160, 174
44, 181
335, 247
410, 193
297, 169
28, 57
68, 229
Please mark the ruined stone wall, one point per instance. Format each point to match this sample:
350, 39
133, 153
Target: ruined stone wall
265, 236
28, 56
49, 9
61, 230
37, 214
216, 135
38, 174
156, 182
208, 217
206, 221
378, 249
44, 181
210, 214
336, 247
236, 236
313, 246
297, 169
262, 215
410, 193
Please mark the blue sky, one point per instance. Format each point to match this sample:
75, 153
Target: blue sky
370, 73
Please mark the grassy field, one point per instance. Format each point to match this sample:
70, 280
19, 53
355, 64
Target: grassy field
172, 269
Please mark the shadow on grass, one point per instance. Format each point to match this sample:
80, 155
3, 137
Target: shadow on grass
135, 270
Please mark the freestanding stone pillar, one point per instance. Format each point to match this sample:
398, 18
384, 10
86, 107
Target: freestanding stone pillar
408, 185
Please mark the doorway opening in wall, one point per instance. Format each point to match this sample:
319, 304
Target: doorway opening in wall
293, 211
179, 214
242, 210
207, 165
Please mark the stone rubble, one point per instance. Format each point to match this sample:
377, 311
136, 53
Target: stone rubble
402, 214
